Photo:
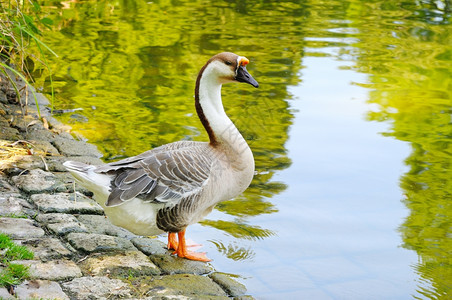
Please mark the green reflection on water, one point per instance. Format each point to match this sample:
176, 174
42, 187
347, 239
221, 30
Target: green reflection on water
409, 59
132, 66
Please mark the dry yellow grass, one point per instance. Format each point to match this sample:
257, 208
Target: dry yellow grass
11, 152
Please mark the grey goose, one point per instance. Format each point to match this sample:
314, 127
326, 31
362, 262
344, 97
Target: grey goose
172, 186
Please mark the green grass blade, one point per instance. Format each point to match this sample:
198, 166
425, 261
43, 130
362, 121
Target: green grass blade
38, 41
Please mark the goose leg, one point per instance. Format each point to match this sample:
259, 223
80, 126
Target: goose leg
183, 252
172, 241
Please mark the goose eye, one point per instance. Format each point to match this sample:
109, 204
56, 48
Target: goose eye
228, 63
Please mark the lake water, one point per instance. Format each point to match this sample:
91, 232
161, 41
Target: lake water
351, 129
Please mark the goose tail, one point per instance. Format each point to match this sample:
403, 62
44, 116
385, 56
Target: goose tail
75, 166
87, 176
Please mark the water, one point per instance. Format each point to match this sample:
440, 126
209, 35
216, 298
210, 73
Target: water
350, 128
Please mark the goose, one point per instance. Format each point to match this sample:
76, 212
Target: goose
175, 185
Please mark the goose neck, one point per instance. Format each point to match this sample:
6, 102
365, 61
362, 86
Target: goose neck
211, 111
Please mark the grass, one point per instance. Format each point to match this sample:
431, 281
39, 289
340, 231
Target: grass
15, 216
18, 32
12, 274
11, 152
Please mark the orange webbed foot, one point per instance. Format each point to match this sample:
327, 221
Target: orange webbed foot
198, 256
183, 252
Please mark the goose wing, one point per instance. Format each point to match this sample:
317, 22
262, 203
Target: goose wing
160, 175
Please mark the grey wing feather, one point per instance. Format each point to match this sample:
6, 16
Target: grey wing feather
165, 174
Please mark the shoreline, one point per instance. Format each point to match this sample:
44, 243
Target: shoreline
79, 254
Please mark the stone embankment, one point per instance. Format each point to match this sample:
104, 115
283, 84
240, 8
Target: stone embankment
78, 253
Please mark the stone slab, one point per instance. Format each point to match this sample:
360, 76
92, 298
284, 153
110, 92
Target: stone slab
5, 186
66, 203
244, 297
12, 205
61, 229
150, 246
181, 284
43, 148
4, 295
41, 135
228, 283
102, 225
29, 162
91, 242
52, 270
61, 224
97, 288
46, 248
52, 218
130, 263
38, 181
23, 122
8, 133
76, 148
175, 265
40, 289
20, 228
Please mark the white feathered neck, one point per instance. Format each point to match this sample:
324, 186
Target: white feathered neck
210, 107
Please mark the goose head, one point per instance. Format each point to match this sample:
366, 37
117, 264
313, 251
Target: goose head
221, 68
229, 67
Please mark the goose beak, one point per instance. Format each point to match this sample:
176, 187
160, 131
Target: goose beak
244, 76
